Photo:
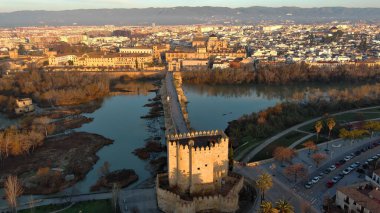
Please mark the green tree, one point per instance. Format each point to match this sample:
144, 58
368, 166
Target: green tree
372, 126
264, 183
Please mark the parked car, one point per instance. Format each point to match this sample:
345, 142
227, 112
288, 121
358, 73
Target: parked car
346, 171
315, 180
308, 185
347, 158
329, 184
336, 179
332, 168
338, 164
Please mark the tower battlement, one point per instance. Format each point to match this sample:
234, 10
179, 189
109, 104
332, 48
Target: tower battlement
196, 134
198, 140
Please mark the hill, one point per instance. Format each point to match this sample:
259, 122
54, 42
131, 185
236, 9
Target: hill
187, 15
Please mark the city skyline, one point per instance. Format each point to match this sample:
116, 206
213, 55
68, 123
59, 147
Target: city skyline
19, 5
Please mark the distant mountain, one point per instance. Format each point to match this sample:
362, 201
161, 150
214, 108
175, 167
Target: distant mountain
186, 15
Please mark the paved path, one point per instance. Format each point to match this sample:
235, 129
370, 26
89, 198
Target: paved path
174, 105
253, 152
301, 140
138, 200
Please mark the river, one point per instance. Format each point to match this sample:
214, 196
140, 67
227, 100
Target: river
210, 107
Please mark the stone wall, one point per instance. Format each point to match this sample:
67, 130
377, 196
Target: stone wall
170, 202
181, 96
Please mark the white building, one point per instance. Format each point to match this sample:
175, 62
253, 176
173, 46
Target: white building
362, 197
60, 60
24, 105
375, 178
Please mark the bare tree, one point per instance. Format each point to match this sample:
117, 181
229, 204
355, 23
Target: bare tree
296, 170
43, 122
105, 169
318, 158
115, 196
310, 145
283, 154
13, 189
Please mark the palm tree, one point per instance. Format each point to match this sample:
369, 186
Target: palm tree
267, 207
264, 183
318, 127
330, 124
284, 207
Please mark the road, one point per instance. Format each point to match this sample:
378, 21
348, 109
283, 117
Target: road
253, 152
174, 105
277, 192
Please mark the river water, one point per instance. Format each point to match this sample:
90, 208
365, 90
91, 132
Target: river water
213, 106
210, 107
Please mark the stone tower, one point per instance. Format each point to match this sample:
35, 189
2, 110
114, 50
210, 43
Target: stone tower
197, 161
198, 178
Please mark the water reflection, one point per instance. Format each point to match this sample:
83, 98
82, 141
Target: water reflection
213, 106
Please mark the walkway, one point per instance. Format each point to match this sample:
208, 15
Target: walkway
174, 105
253, 152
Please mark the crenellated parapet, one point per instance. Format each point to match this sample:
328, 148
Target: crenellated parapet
173, 137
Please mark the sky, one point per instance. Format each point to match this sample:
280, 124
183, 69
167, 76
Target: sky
17, 5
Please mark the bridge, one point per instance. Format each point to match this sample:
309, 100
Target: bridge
174, 109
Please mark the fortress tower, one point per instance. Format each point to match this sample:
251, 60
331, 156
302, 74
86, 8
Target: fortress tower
198, 177
197, 162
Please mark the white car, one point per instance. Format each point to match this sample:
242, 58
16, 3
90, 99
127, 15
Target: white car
347, 158
346, 171
332, 167
315, 180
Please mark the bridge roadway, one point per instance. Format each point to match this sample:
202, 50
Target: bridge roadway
175, 110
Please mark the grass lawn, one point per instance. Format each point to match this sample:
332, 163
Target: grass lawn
250, 144
101, 206
285, 141
313, 138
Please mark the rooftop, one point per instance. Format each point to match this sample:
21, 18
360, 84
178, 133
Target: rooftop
363, 194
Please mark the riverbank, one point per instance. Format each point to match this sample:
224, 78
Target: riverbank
58, 164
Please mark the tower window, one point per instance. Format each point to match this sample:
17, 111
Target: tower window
205, 165
199, 168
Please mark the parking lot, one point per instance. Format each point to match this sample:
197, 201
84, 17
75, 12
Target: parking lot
340, 176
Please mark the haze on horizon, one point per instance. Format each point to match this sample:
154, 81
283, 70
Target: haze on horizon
18, 5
